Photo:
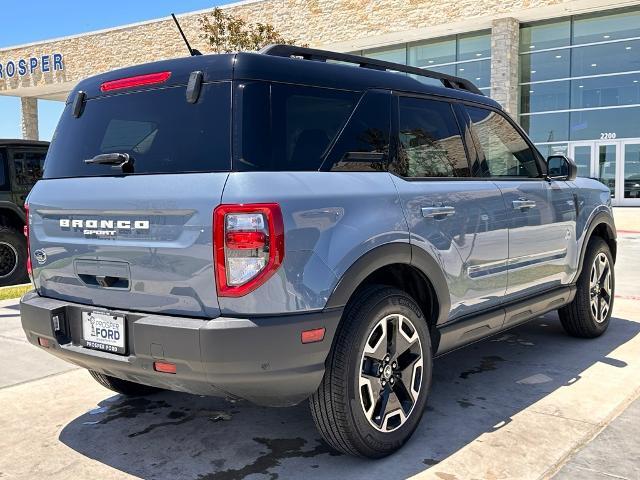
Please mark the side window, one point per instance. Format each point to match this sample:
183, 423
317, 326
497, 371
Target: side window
363, 144
4, 174
28, 166
293, 130
430, 143
506, 153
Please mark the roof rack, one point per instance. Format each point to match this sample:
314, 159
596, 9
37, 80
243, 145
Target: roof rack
448, 81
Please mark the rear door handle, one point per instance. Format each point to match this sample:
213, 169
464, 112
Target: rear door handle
522, 204
438, 212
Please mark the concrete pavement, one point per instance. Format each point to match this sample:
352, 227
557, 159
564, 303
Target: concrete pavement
516, 406
613, 454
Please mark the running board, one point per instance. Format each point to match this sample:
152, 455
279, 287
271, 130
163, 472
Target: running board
468, 330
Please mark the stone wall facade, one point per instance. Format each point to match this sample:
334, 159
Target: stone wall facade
29, 118
315, 22
505, 41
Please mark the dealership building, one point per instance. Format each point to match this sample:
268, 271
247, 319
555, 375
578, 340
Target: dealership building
568, 71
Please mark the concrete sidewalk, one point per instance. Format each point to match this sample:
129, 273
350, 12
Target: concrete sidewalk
613, 454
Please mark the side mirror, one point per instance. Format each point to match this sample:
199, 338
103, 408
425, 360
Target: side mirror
560, 167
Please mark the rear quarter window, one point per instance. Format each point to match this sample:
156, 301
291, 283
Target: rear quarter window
287, 127
158, 128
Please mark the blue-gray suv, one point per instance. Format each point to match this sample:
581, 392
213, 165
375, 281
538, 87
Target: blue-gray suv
299, 224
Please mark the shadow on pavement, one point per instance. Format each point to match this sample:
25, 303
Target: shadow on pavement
475, 390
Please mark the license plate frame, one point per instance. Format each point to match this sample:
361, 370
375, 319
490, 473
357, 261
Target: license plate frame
105, 331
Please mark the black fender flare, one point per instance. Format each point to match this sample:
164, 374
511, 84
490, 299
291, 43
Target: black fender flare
5, 205
598, 219
388, 254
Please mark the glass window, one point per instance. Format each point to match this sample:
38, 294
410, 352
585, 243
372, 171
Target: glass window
547, 127
547, 150
632, 170
540, 97
607, 159
433, 53
506, 153
478, 72
430, 144
607, 58
28, 166
544, 66
395, 54
474, 46
591, 124
170, 134
4, 181
605, 91
601, 28
545, 35
294, 130
582, 157
364, 142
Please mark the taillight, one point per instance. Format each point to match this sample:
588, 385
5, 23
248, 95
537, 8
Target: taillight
248, 243
137, 81
26, 234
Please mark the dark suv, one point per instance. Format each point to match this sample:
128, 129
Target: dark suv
300, 224
21, 163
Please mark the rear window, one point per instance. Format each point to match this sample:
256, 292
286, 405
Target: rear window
158, 128
287, 127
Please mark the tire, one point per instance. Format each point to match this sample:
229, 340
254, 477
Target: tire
339, 407
582, 318
124, 387
13, 257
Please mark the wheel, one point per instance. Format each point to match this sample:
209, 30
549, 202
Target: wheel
377, 376
589, 313
124, 387
13, 257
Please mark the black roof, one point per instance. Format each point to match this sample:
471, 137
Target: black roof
261, 66
23, 143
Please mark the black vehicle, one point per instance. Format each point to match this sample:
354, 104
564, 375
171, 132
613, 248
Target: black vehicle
21, 165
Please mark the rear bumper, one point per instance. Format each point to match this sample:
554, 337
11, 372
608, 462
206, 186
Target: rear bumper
259, 359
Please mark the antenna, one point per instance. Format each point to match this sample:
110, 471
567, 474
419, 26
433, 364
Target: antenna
192, 51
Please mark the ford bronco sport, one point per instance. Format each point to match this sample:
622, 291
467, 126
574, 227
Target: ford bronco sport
21, 164
299, 224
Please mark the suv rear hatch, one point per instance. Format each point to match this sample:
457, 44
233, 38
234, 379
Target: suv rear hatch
136, 236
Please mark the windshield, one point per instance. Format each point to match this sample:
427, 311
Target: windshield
157, 128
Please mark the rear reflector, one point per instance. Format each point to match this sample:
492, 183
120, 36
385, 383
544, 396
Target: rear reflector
44, 342
311, 336
139, 80
164, 367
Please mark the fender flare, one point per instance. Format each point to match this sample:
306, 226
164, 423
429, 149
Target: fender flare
598, 219
388, 254
5, 205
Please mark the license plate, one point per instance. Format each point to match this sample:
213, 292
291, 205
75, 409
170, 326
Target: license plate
103, 331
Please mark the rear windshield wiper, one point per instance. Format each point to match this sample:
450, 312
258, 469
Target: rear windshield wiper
123, 160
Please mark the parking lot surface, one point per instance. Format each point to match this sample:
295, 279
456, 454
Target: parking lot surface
514, 406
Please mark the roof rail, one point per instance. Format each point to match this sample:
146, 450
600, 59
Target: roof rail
448, 81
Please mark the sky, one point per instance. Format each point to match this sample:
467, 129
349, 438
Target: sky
45, 19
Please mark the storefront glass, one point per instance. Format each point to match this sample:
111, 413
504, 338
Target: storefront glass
467, 56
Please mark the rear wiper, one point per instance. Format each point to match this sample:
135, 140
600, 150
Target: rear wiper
123, 160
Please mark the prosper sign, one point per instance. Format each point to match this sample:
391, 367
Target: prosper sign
31, 65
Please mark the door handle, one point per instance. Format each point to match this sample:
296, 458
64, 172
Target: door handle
438, 212
522, 204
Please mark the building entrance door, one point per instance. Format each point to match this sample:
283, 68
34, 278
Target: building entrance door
616, 163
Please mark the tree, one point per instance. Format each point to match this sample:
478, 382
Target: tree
226, 33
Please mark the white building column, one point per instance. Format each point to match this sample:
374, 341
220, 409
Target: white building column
29, 118
505, 44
